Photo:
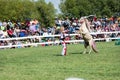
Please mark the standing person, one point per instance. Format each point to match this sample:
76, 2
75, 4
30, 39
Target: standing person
62, 39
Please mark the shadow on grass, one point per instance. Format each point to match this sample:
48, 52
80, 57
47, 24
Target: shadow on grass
57, 55
76, 53
69, 53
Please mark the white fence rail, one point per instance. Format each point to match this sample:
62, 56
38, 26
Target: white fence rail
54, 42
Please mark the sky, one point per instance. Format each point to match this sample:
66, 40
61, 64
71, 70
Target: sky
56, 4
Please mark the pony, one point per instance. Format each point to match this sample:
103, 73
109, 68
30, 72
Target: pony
84, 31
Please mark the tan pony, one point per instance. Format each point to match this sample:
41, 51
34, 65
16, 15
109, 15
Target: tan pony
87, 37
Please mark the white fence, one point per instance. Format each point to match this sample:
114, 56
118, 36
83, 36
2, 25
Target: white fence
54, 42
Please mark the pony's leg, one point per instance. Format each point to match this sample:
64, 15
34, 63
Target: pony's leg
85, 50
90, 50
90, 46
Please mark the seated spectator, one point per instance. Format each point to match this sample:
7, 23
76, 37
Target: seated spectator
32, 28
5, 34
17, 31
10, 33
99, 29
22, 33
1, 33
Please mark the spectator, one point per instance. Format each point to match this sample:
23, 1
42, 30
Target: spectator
5, 34
32, 28
10, 32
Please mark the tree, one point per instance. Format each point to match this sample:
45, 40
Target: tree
22, 9
47, 13
87, 7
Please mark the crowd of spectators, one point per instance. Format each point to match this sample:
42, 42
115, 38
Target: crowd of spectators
12, 29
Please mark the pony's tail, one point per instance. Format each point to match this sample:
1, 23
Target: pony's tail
94, 47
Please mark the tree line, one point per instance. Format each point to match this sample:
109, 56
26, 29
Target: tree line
86, 7
46, 12
27, 9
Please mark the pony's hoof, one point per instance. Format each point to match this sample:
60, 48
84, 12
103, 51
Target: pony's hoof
84, 52
89, 52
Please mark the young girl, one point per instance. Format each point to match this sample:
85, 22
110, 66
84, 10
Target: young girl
62, 39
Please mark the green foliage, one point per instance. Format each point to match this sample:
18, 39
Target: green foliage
47, 13
45, 63
22, 9
86, 7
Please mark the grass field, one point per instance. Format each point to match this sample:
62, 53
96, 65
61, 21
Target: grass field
45, 63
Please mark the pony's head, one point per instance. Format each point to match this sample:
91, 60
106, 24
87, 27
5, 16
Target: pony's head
81, 20
84, 20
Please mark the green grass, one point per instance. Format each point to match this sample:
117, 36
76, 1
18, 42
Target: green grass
45, 63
